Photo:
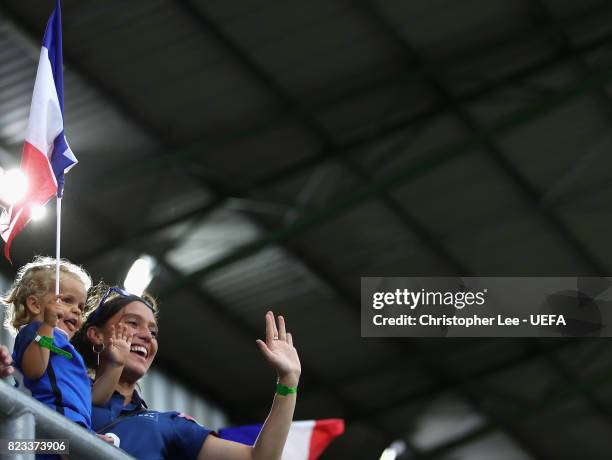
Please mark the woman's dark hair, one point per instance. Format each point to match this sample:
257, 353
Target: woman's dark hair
109, 309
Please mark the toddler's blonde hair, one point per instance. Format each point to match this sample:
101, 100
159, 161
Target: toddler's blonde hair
36, 278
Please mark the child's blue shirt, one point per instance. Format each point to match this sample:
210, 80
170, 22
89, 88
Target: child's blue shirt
65, 386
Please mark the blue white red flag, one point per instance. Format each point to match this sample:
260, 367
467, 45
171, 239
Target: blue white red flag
46, 154
306, 440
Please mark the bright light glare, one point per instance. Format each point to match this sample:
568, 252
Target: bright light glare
396, 448
38, 213
388, 454
140, 275
13, 186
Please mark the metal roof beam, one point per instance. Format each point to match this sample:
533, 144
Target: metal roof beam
470, 393
416, 168
555, 29
33, 35
529, 191
376, 135
383, 131
309, 121
564, 393
567, 376
544, 18
473, 378
184, 155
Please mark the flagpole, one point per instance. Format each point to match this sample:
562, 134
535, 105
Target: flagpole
58, 233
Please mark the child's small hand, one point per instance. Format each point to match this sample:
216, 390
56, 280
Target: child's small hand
53, 313
107, 439
119, 344
5, 362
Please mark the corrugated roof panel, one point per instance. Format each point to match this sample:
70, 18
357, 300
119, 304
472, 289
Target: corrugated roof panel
83, 131
574, 133
385, 106
266, 279
503, 445
218, 234
270, 148
190, 75
566, 8
324, 32
439, 26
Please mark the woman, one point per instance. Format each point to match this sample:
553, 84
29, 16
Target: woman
153, 435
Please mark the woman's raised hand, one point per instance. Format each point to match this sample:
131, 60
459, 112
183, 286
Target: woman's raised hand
119, 343
279, 351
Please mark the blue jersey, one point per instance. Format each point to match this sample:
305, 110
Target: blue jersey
146, 434
65, 386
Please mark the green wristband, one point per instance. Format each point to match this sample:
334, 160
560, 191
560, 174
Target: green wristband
47, 342
284, 390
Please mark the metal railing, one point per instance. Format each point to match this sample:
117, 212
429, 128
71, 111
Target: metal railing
22, 417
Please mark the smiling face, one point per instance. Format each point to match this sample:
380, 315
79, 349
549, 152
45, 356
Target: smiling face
72, 298
140, 319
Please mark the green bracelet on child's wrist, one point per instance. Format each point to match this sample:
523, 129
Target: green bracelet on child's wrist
47, 342
284, 390
43, 341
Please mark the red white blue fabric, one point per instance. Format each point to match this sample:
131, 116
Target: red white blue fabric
306, 440
46, 154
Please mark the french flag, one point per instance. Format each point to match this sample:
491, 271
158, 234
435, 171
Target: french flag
306, 440
46, 154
